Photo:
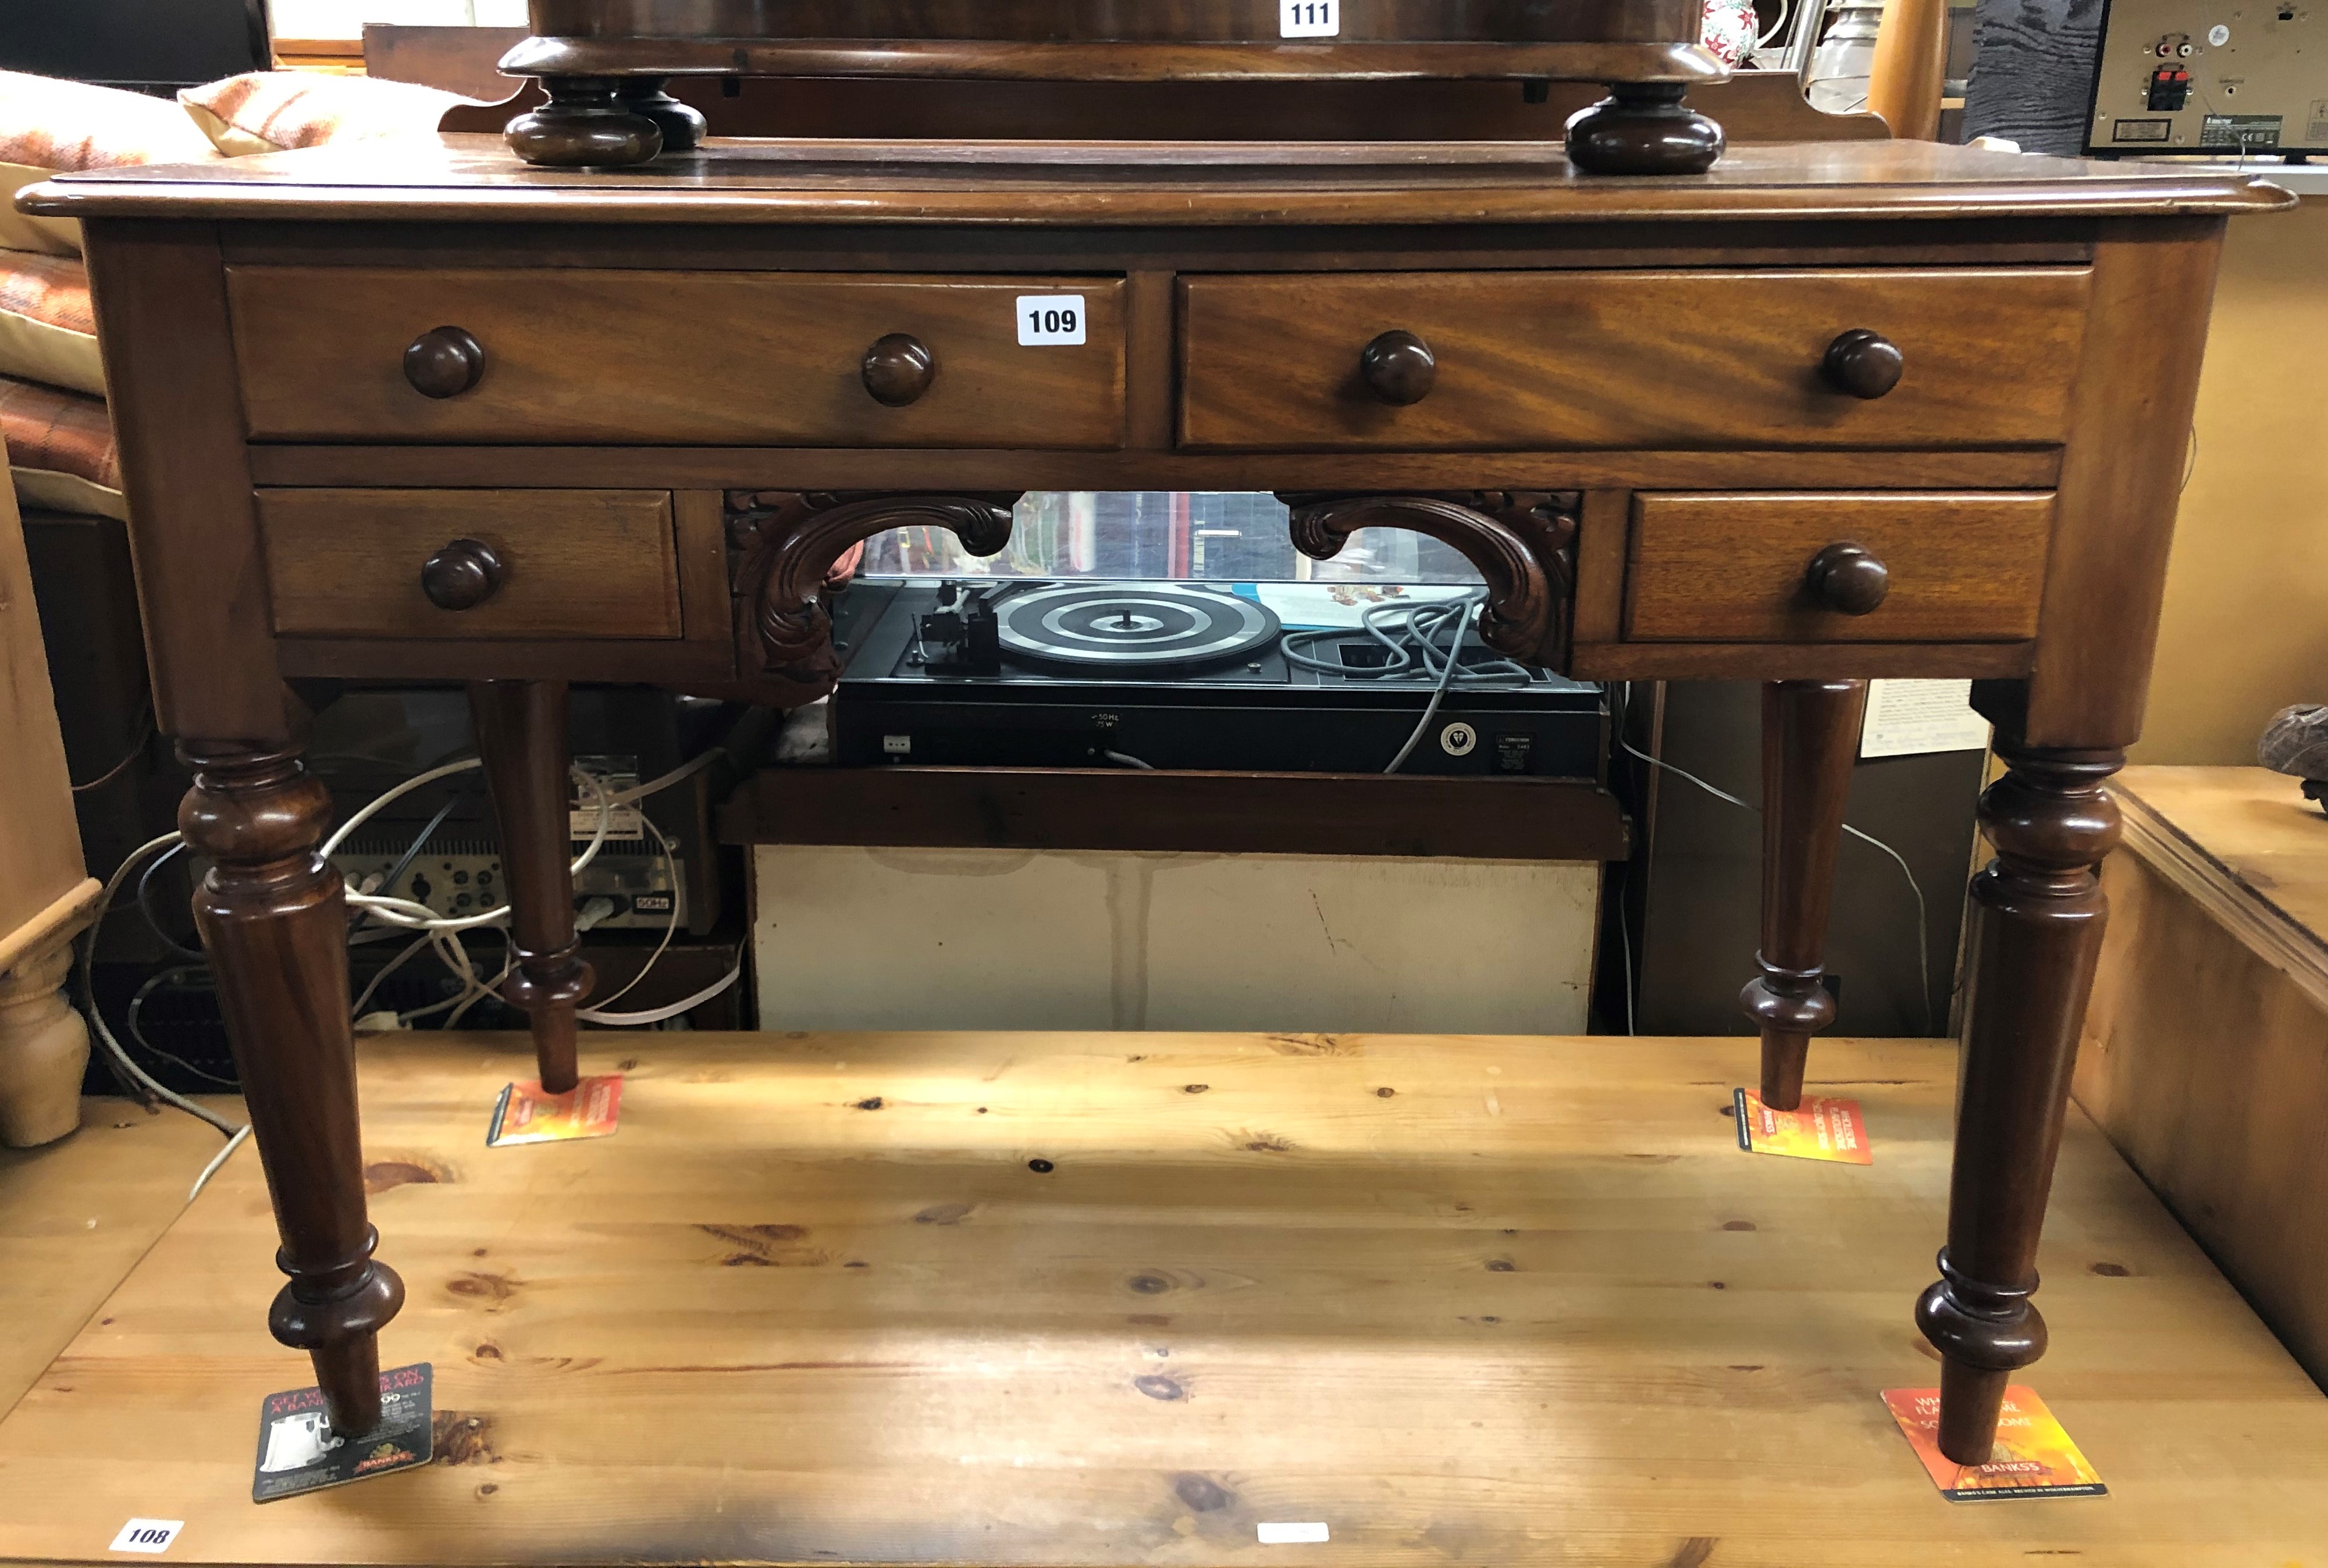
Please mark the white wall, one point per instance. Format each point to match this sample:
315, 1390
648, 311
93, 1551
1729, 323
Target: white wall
1008, 939
345, 18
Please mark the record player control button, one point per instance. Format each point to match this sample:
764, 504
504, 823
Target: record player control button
898, 369
1399, 368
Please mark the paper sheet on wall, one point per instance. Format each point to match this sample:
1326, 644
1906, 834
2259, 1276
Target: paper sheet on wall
1910, 718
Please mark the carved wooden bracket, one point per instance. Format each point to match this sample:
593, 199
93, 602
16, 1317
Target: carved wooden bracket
790, 548
1523, 542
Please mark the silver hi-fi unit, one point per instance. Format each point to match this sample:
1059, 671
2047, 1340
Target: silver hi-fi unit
2212, 78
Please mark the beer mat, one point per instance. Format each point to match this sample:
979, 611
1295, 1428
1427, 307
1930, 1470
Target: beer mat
524, 1114
2034, 1457
298, 1452
1821, 1130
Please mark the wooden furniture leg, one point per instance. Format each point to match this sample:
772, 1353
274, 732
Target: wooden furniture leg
589, 123
271, 914
1810, 739
2038, 913
521, 729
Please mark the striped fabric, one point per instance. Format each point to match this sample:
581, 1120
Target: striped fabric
52, 290
59, 433
47, 124
271, 111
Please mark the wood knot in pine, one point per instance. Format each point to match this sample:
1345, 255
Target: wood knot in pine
381, 1174
1267, 1143
1502, 1266
1738, 1224
459, 1438
944, 1214
492, 1290
1155, 1385
1202, 1494
2112, 1270
871, 1102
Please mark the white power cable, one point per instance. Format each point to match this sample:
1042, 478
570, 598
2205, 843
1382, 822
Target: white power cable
1923, 931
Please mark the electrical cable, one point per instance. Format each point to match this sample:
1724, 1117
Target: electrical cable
124, 1068
136, 749
1414, 648
420, 840
146, 905
220, 1157
1923, 927
154, 982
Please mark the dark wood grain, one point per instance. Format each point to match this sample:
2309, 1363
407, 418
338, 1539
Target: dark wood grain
177, 409
1646, 359
1196, 812
576, 563
521, 737
826, 468
1038, 187
1810, 743
1751, 107
1523, 545
1087, 20
1965, 567
2121, 482
273, 921
2038, 913
672, 356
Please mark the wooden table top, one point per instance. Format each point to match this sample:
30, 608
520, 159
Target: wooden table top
1051, 183
1467, 1301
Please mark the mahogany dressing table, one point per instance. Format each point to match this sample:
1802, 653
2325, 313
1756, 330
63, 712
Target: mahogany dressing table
1826, 412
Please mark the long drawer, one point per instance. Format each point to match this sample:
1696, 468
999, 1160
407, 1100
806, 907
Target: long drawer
600, 564
699, 357
1655, 360
1879, 568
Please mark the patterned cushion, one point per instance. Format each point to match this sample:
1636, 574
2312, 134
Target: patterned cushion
274, 111
47, 333
49, 127
61, 447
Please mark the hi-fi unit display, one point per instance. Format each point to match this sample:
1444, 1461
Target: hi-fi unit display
1033, 673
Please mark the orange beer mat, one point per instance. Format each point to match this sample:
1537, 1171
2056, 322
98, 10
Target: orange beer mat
2034, 1457
1821, 1130
524, 1114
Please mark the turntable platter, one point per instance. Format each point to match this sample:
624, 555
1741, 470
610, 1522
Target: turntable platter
1126, 627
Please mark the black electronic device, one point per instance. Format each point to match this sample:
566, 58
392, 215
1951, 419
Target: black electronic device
1082, 673
147, 45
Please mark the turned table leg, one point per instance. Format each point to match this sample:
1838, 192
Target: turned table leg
2038, 913
272, 916
1810, 741
521, 729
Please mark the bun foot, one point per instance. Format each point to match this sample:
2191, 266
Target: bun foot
1643, 128
585, 125
682, 127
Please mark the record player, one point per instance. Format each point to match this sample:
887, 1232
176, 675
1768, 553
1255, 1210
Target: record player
1083, 674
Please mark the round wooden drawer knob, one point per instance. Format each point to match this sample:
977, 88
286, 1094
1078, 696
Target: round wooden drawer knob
1849, 579
1864, 364
444, 363
463, 575
898, 370
1400, 368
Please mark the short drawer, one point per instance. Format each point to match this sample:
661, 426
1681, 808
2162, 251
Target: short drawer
699, 357
600, 564
1655, 360
1804, 568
